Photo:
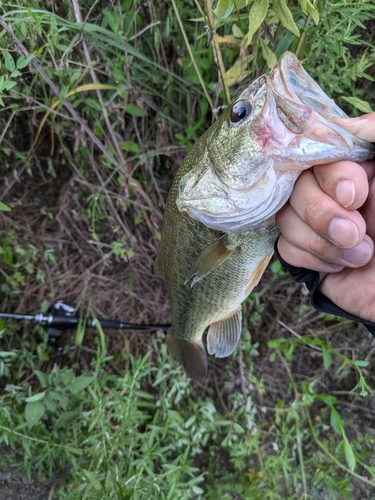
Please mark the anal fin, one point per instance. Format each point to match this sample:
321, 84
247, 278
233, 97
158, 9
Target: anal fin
223, 336
210, 259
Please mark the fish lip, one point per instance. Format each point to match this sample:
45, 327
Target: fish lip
291, 84
297, 85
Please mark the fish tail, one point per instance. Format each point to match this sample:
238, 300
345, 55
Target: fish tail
192, 355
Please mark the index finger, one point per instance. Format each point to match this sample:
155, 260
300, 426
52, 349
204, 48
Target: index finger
363, 126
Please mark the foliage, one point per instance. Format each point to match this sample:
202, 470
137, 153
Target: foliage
111, 97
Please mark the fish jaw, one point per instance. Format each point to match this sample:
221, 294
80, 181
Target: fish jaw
303, 107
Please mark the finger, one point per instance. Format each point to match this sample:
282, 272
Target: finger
370, 212
324, 215
344, 181
301, 258
303, 247
363, 126
353, 290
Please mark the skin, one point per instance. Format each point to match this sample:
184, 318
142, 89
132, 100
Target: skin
328, 225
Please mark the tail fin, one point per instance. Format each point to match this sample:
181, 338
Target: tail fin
192, 355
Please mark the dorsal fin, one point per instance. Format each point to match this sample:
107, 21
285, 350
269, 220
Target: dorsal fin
223, 336
210, 259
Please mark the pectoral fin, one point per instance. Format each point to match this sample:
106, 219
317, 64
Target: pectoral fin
223, 336
210, 259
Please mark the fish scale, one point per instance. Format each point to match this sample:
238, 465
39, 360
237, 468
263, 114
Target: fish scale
219, 230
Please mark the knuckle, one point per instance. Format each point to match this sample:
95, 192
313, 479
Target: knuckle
322, 248
315, 213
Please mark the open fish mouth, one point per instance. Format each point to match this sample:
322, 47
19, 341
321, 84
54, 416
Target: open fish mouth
295, 92
281, 124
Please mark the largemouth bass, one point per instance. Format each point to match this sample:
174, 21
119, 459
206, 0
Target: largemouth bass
219, 229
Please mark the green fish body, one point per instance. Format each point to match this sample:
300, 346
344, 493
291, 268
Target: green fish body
219, 231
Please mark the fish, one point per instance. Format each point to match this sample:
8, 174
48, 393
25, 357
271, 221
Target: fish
219, 228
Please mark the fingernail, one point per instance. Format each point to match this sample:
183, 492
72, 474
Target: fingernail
345, 193
343, 232
358, 254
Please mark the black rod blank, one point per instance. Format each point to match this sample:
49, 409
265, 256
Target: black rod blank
61, 322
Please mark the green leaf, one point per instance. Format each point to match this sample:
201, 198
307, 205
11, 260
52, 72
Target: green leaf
237, 72
43, 378
349, 455
224, 8
237, 32
276, 267
7, 354
34, 411
49, 403
257, 15
67, 376
80, 383
36, 397
363, 106
359, 362
308, 8
268, 55
66, 417
91, 479
370, 469
327, 399
326, 358
93, 104
9, 62
131, 146
8, 84
313, 12
15, 74
23, 61
134, 110
273, 356
283, 12
336, 422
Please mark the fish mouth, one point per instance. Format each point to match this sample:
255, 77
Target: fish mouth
291, 129
299, 99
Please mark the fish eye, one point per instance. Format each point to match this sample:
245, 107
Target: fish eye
240, 111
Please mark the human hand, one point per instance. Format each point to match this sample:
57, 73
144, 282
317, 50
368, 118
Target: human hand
329, 226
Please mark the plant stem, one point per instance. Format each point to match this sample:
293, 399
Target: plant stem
302, 39
216, 49
298, 434
332, 457
203, 85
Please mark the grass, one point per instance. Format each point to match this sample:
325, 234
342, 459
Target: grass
99, 105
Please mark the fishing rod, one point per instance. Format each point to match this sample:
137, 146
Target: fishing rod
60, 317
